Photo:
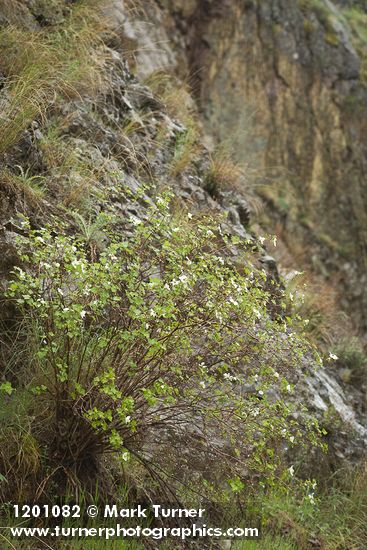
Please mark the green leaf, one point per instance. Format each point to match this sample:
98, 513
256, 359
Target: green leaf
7, 388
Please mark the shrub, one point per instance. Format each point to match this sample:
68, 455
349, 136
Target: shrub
161, 332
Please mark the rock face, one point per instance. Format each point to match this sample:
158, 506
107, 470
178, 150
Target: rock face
284, 82
288, 74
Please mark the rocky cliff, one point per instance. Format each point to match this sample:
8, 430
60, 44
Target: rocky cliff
283, 82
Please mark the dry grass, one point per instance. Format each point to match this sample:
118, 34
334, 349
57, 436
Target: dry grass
20, 455
311, 294
174, 94
46, 66
178, 104
73, 174
317, 301
20, 460
15, 12
136, 144
224, 174
29, 189
186, 150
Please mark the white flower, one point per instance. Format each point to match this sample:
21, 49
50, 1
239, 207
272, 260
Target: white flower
235, 285
261, 392
152, 313
189, 215
261, 239
276, 374
167, 287
202, 384
209, 233
256, 377
83, 314
234, 302
218, 316
291, 470
289, 389
127, 419
175, 230
125, 456
183, 278
291, 439
134, 220
255, 413
229, 377
333, 356
65, 310
221, 261
86, 290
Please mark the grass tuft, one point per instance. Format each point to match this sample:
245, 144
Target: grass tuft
30, 188
186, 149
224, 174
45, 67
